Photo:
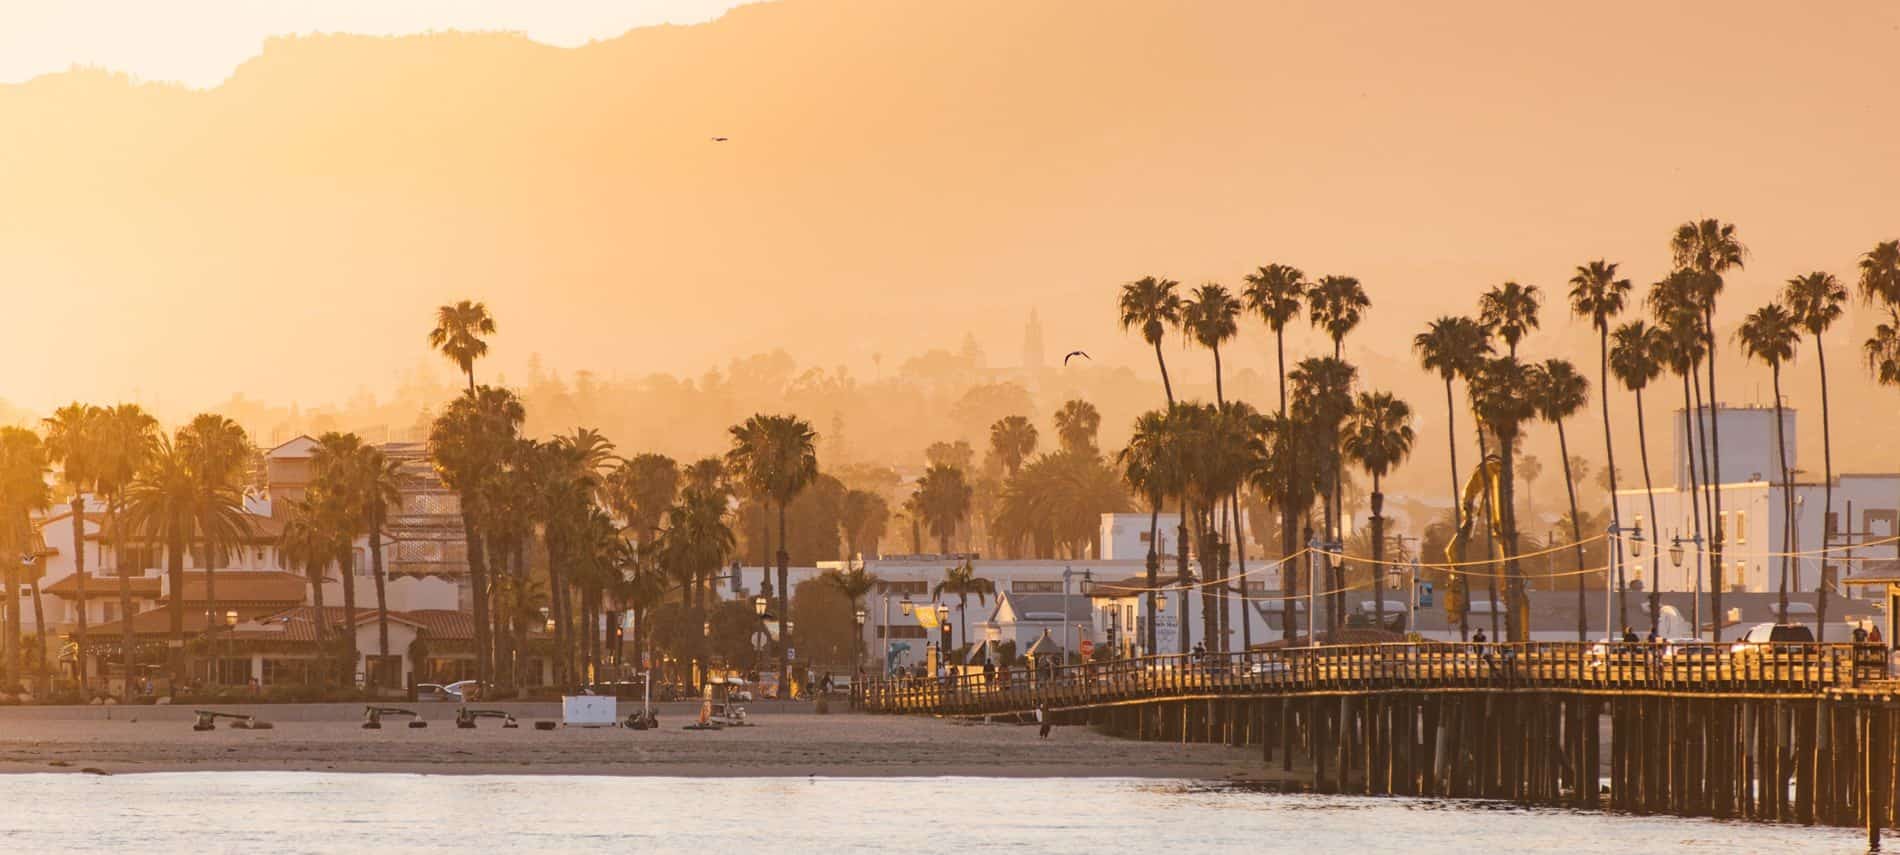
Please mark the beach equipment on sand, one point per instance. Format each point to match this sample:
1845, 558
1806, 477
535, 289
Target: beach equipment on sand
207, 720
373, 717
465, 718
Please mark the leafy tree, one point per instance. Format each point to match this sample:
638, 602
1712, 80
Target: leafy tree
1077, 424
1636, 358
1705, 250
458, 335
1151, 304
1378, 436
75, 440
943, 497
1770, 334
777, 457
1557, 391
1012, 440
1510, 311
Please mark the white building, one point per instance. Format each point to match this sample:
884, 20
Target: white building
1754, 512
1125, 536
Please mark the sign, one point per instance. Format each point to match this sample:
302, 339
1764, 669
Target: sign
791, 653
1088, 648
1424, 595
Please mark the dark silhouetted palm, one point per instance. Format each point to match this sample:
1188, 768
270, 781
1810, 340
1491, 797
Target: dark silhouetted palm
1770, 335
1378, 436
1637, 352
458, 333
1816, 302
1151, 304
1012, 441
1558, 391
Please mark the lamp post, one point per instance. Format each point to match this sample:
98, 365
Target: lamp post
1675, 559
1609, 581
857, 654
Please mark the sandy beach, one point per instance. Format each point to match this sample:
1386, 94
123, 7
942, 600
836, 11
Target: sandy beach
787, 743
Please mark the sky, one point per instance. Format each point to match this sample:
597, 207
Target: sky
898, 174
199, 42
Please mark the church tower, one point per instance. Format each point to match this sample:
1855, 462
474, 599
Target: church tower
1032, 344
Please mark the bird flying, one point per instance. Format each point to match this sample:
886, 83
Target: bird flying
720, 139
1075, 353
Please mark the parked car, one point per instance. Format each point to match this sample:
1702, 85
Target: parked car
625, 690
1759, 642
435, 692
465, 690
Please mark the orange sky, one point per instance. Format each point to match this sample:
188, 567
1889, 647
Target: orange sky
903, 171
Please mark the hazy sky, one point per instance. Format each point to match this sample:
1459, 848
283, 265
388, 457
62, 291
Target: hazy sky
199, 42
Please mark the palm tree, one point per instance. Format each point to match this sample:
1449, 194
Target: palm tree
1636, 358
1770, 334
1322, 392
365, 483
1274, 292
1077, 424
777, 456
1597, 294
467, 444
168, 503
697, 539
458, 334
1499, 401
1378, 436
1510, 310
129, 438
74, 439
943, 497
1673, 302
1151, 304
1815, 301
1557, 391
641, 490
1337, 304
1152, 467
1012, 441
854, 584
311, 541
335, 463
23, 490
219, 453
862, 516
1706, 249
1210, 317
1292, 455
1454, 347
962, 581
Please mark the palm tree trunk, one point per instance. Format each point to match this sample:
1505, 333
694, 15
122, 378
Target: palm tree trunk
1827, 499
1787, 494
1289, 577
478, 580
1576, 538
1609, 452
44, 683
1154, 577
1166, 386
1457, 503
128, 650
1520, 613
1181, 578
1485, 507
1715, 469
175, 571
1655, 523
314, 572
1240, 584
79, 579
1210, 570
382, 587
1378, 552
11, 647
1695, 500
784, 606
212, 619
518, 619
346, 565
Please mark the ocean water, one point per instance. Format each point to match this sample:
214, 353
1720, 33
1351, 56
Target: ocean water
291, 812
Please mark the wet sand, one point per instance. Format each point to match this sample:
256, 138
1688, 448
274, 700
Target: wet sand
781, 744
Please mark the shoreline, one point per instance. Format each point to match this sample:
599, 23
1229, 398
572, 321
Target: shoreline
778, 745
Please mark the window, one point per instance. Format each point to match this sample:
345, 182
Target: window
1833, 523
1721, 527
1035, 587
904, 588
1144, 537
1741, 527
902, 631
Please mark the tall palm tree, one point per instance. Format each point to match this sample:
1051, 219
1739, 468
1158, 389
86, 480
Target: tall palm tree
1275, 292
1672, 302
74, 439
777, 457
1510, 310
335, 463
1770, 334
311, 542
129, 438
962, 581
1706, 249
467, 444
168, 503
1151, 465
943, 497
23, 490
1596, 293
1454, 347
1378, 436
219, 453
1152, 304
1557, 391
458, 335
1636, 358
1012, 441
641, 490
1816, 302
1292, 455
1499, 400
1077, 424
1211, 317
1336, 304
1322, 393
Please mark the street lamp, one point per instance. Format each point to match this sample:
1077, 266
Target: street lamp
857, 642
1609, 582
1675, 558
758, 605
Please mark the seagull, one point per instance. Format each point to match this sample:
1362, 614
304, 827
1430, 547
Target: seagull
720, 139
1075, 353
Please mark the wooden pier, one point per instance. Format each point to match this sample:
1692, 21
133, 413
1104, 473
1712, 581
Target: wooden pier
1803, 733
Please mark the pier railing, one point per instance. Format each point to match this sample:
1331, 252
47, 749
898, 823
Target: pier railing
1713, 669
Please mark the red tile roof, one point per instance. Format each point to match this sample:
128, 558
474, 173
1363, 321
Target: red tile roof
102, 586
